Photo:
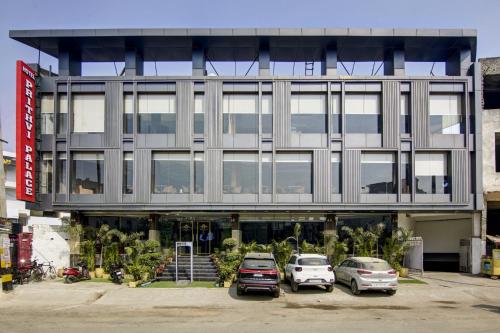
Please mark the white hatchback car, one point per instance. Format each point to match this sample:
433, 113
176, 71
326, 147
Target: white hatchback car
309, 270
365, 273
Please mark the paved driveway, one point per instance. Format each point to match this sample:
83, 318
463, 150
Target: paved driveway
448, 303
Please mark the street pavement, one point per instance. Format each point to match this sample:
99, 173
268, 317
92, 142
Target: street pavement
448, 303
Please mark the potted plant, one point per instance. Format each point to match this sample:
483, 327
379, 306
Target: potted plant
395, 248
88, 256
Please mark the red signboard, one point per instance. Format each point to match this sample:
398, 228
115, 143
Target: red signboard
25, 132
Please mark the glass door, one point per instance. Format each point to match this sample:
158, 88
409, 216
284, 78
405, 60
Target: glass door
204, 237
186, 233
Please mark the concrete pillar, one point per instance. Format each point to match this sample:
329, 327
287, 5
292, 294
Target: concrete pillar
405, 222
70, 63
134, 63
394, 62
330, 225
478, 246
459, 63
199, 60
264, 59
154, 232
329, 61
235, 228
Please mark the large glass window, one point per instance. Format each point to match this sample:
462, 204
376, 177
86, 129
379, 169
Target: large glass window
363, 113
87, 173
294, 173
199, 173
336, 173
378, 174
47, 111
406, 173
241, 173
199, 114
46, 173
445, 111
128, 173
88, 113
267, 173
336, 114
404, 118
431, 173
61, 173
62, 115
240, 113
308, 113
128, 114
171, 172
157, 113
267, 113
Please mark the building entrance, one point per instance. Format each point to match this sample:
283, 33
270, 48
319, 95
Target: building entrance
198, 232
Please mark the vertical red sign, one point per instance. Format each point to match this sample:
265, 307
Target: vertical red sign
25, 132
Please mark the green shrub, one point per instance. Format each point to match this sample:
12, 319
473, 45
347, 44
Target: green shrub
229, 244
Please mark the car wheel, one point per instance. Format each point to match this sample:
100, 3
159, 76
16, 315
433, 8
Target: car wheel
295, 286
329, 288
391, 292
354, 288
276, 293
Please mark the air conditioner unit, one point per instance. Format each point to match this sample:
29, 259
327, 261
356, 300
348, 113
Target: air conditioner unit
464, 255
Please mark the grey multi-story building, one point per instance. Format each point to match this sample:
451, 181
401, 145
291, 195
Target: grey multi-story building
203, 157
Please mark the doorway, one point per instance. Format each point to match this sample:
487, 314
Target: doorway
198, 232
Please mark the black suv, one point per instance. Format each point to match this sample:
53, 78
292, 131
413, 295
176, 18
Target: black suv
258, 271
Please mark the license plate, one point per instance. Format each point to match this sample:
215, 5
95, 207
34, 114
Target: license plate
257, 275
379, 284
315, 281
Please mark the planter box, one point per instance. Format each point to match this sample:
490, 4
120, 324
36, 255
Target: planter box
134, 284
99, 272
105, 276
227, 284
92, 275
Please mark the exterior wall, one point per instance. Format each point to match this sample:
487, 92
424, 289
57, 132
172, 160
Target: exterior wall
49, 242
113, 143
491, 125
443, 236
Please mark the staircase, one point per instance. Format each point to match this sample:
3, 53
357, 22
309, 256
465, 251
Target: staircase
203, 268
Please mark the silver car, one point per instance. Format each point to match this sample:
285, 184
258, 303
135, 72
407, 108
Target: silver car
365, 273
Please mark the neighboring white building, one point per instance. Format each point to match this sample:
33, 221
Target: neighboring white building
49, 242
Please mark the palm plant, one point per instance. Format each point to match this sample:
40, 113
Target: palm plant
396, 247
365, 242
335, 250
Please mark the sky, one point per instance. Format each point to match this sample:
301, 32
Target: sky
75, 14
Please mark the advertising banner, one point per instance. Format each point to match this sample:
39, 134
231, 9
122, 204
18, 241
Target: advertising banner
25, 132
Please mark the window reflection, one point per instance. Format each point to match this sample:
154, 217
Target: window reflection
363, 113
294, 173
240, 173
267, 173
199, 172
267, 113
336, 172
62, 115
240, 113
336, 114
445, 113
61, 173
47, 114
199, 114
171, 173
157, 113
406, 173
46, 173
128, 173
404, 122
378, 174
87, 173
308, 113
128, 114
431, 173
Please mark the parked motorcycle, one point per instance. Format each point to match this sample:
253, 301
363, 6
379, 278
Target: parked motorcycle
116, 274
75, 274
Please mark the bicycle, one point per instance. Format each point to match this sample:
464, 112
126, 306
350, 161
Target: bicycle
50, 271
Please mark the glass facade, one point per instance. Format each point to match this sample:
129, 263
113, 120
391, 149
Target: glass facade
240, 114
199, 173
267, 113
405, 122
171, 173
87, 175
362, 113
445, 111
61, 173
88, 113
406, 176
128, 173
47, 114
336, 173
294, 173
156, 114
62, 114
431, 173
199, 114
267, 173
241, 173
46, 173
264, 232
336, 114
308, 113
378, 173
128, 114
